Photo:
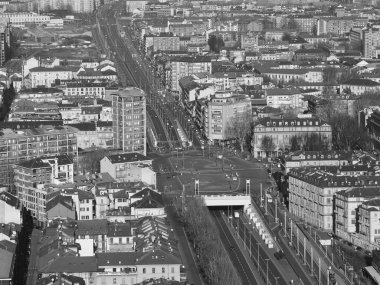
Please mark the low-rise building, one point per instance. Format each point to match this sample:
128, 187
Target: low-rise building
129, 167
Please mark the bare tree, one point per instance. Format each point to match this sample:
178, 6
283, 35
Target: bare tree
295, 143
203, 235
268, 145
239, 127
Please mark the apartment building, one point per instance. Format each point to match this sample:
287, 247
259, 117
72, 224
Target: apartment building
21, 145
4, 39
184, 66
49, 76
94, 90
311, 193
84, 201
369, 224
129, 120
31, 177
129, 167
335, 26
371, 42
162, 42
373, 125
215, 114
347, 203
305, 23
81, 6
282, 130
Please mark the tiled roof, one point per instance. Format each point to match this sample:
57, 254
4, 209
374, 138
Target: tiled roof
65, 201
50, 69
361, 82
6, 258
72, 264
92, 227
119, 230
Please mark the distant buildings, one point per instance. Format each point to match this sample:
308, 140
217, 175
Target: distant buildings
129, 120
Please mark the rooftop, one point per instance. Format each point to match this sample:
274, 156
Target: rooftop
6, 258
130, 92
127, 157
92, 227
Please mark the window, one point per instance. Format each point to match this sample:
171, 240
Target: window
114, 280
153, 270
111, 240
144, 270
163, 269
120, 240
172, 269
114, 269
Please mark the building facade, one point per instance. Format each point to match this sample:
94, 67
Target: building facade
281, 131
21, 145
129, 120
31, 177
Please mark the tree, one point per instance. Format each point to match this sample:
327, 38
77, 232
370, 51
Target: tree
215, 43
295, 143
203, 235
366, 100
329, 75
267, 145
89, 161
9, 95
347, 134
239, 127
314, 142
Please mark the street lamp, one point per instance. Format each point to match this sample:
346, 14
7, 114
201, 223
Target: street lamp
258, 255
266, 259
328, 275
